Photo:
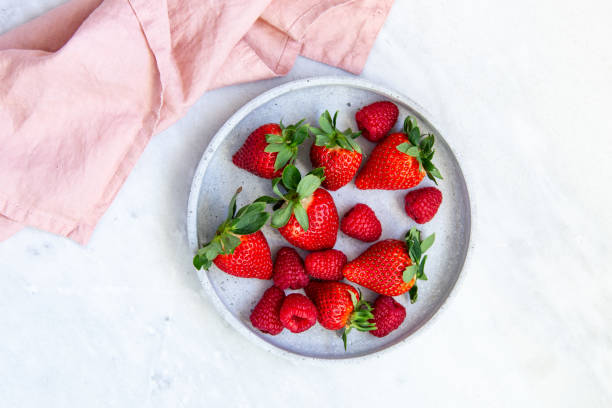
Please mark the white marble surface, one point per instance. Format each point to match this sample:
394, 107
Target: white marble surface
523, 91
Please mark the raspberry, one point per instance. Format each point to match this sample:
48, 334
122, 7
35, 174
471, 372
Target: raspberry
325, 265
266, 314
388, 315
376, 120
298, 313
421, 205
289, 270
361, 223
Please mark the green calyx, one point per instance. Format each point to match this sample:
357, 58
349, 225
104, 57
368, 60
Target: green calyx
297, 189
248, 220
416, 249
287, 143
360, 318
420, 147
327, 135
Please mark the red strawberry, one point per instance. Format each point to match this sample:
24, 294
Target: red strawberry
400, 161
239, 248
339, 307
269, 148
377, 119
361, 223
307, 216
289, 270
388, 315
325, 265
336, 152
422, 204
391, 267
266, 314
298, 313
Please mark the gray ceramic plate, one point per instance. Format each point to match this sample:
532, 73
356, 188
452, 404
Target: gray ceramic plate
216, 179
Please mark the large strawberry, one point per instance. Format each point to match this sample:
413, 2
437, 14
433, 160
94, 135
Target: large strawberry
270, 147
392, 267
239, 247
339, 307
400, 161
305, 215
335, 151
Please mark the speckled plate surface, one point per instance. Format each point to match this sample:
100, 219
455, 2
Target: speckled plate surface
216, 179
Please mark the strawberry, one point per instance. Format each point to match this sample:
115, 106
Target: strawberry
376, 120
239, 248
266, 314
305, 215
288, 272
391, 267
335, 151
270, 147
422, 204
339, 307
400, 161
326, 265
361, 223
388, 315
298, 313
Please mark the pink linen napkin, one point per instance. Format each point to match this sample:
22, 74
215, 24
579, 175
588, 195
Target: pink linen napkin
84, 87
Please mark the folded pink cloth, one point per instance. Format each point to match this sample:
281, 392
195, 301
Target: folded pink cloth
84, 87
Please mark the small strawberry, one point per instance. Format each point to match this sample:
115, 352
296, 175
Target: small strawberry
266, 314
361, 223
388, 315
288, 272
270, 147
326, 265
335, 151
377, 119
305, 215
239, 247
400, 161
339, 307
298, 313
391, 267
422, 204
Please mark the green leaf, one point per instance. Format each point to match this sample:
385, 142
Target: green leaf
343, 143
353, 298
409, 273
251, 223
229, 243
319, 172
300, 135
315, 130
275, 183
344, 331
325, 123
421, 273
308, 185
266, 200
275, 148
280, 218
413, 151
232, 206
428, 242
414, 294
198, 262
322, 140
403, 147
355, 146
301, 216
334, 119
415, 252
291, 177
271, 138
414, 136
409, 124
283, 156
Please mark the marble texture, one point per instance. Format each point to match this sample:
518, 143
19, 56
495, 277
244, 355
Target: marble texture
522, 91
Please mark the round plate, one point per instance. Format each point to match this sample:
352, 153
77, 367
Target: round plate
217, 178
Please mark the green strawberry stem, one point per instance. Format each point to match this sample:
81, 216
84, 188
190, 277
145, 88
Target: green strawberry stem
287, 144
421, 148
329, 136
248, 220
360, 318
416, 249
298, 189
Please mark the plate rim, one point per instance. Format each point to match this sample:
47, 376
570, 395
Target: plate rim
196, 186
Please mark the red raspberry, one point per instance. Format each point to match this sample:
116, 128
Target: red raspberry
376, 120
298, 313
388, 315
361, 223
422, 204
289, 270
266, 314
325, 265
